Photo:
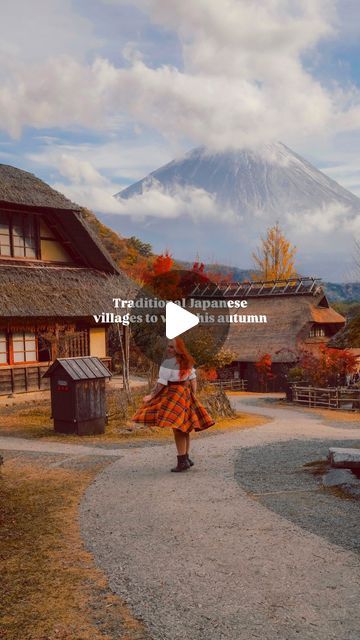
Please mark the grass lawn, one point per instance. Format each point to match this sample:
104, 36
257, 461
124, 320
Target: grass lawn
33, 420
50, 588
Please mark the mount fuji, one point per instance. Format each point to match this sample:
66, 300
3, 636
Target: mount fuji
242, 192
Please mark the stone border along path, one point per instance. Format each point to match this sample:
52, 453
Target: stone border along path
196, 557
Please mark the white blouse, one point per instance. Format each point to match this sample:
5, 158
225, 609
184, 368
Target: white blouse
170, 372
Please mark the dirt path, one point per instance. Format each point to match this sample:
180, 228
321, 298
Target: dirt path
36, 446
196, 557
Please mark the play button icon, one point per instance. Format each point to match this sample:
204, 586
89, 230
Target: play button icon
178, 320
170, 304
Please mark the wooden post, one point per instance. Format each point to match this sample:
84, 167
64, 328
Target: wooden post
125, 351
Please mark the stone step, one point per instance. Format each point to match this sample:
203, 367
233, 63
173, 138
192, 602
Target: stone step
345, 458
338, 477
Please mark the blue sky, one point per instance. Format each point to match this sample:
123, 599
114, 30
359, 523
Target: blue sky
94, 94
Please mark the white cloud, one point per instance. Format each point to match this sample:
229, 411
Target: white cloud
243, 81
34, 29
185, 202
130, 160
91, 189
324, 220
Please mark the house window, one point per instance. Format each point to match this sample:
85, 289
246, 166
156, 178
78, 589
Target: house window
3, 348
5, 244
18, 235
317, 332
24, 346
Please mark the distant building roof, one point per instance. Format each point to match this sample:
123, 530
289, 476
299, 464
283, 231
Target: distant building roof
261, 288
326, 316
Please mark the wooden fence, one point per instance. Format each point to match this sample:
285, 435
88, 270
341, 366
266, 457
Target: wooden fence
329, 398
230, 385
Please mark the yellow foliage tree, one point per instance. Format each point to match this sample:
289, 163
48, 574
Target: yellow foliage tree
274, 259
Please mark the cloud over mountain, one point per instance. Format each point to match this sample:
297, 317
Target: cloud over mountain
258, 187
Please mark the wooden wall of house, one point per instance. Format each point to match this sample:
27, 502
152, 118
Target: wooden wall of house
50, 248
22, 379
97, 336
247, 371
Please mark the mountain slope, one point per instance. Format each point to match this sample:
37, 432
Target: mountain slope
273, 179
217, 205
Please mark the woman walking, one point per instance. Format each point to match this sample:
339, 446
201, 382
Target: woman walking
173, 402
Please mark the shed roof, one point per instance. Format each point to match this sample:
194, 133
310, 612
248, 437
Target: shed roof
85, 368
59, 292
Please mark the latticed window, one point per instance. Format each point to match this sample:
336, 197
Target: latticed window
317, 332
17, 235
3, 348
5, 244
24, 347
18, 348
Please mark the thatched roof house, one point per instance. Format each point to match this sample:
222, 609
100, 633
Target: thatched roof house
295, 315
54, 276
292, 322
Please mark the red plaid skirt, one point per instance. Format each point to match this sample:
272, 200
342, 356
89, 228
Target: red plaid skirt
176, 407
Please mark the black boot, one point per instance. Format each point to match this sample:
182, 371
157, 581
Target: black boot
191, 462
182, 464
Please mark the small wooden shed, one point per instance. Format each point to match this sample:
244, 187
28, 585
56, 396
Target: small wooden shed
78, 401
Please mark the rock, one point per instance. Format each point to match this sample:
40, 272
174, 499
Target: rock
344, 458
335, 477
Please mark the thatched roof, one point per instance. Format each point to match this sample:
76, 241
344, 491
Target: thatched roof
25, 191
326, 316
21, 187
58, 292
289, 319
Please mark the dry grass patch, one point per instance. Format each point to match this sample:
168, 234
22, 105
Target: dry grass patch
329, 414
240, 421
34, 421
337, 414
50, 588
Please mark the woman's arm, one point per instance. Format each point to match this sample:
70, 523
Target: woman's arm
193, 385
154, 392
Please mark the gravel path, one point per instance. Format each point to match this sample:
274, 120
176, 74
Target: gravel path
24, 444
274, 474
196, 556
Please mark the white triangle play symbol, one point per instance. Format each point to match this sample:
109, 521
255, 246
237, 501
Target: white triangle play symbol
178, 320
